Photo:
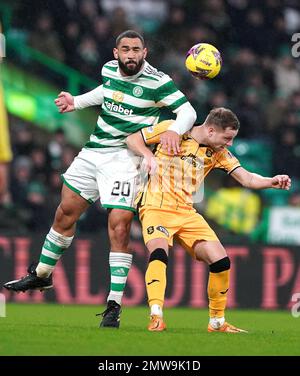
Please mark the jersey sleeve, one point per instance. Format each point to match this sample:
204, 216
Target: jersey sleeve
151, 135
92, 98
227, 161
168, 94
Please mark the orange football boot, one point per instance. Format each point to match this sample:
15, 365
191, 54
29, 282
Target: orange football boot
156, 324
226, 328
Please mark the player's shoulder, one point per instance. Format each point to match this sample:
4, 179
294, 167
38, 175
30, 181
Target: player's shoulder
225, 153
162, 125
165, 123
154, 74
111, 65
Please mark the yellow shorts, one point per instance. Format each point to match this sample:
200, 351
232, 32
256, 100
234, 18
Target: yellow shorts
187, 226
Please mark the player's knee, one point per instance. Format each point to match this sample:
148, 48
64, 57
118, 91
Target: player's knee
119, 232
220, 265
121, 229
159, 254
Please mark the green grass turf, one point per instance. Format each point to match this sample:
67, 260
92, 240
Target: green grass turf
50, 329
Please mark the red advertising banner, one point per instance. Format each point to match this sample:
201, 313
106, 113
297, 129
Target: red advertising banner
261, 276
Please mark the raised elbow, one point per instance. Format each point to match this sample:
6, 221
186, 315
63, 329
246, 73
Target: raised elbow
193, 115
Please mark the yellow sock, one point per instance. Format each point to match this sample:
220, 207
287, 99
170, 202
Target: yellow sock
156, 282
218, 284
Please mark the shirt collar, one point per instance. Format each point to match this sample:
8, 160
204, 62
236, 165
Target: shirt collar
132, 78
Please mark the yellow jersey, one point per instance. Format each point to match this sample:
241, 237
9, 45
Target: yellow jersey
178, 180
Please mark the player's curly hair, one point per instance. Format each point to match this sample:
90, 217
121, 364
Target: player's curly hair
130, 34
223, 118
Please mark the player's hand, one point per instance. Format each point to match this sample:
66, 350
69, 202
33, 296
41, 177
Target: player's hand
149, 164
281, 182
65, 102
170, 141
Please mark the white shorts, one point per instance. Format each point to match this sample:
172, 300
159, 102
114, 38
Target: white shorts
110, 174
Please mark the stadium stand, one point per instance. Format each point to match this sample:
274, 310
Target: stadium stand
64, 44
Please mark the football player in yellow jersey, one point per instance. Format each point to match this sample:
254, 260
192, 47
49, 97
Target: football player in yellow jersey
166, 207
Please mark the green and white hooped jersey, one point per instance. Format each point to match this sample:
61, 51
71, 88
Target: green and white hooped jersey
131, 103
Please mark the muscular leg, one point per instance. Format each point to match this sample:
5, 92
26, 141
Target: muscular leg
61, 234
120, 258
57, 240
68, 212
119, 222
209, 251
156, 280
214, 254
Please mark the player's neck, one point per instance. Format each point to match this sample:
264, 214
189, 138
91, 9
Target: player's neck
198, 134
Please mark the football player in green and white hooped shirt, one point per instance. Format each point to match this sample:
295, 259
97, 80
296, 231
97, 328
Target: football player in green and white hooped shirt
131, 97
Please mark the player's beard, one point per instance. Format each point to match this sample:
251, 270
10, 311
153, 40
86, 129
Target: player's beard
130, 71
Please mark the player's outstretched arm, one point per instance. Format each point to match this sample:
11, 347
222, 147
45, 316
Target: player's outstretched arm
66, 102
255, 181
135, 142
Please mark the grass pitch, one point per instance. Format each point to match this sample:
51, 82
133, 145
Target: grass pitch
51, 329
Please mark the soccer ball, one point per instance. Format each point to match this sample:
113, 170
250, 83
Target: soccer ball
203, 61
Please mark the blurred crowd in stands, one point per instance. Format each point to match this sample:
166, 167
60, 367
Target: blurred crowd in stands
260, 79
35, 182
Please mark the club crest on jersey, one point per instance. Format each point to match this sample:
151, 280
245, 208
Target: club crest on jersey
209, 153
137, 91
118, 96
